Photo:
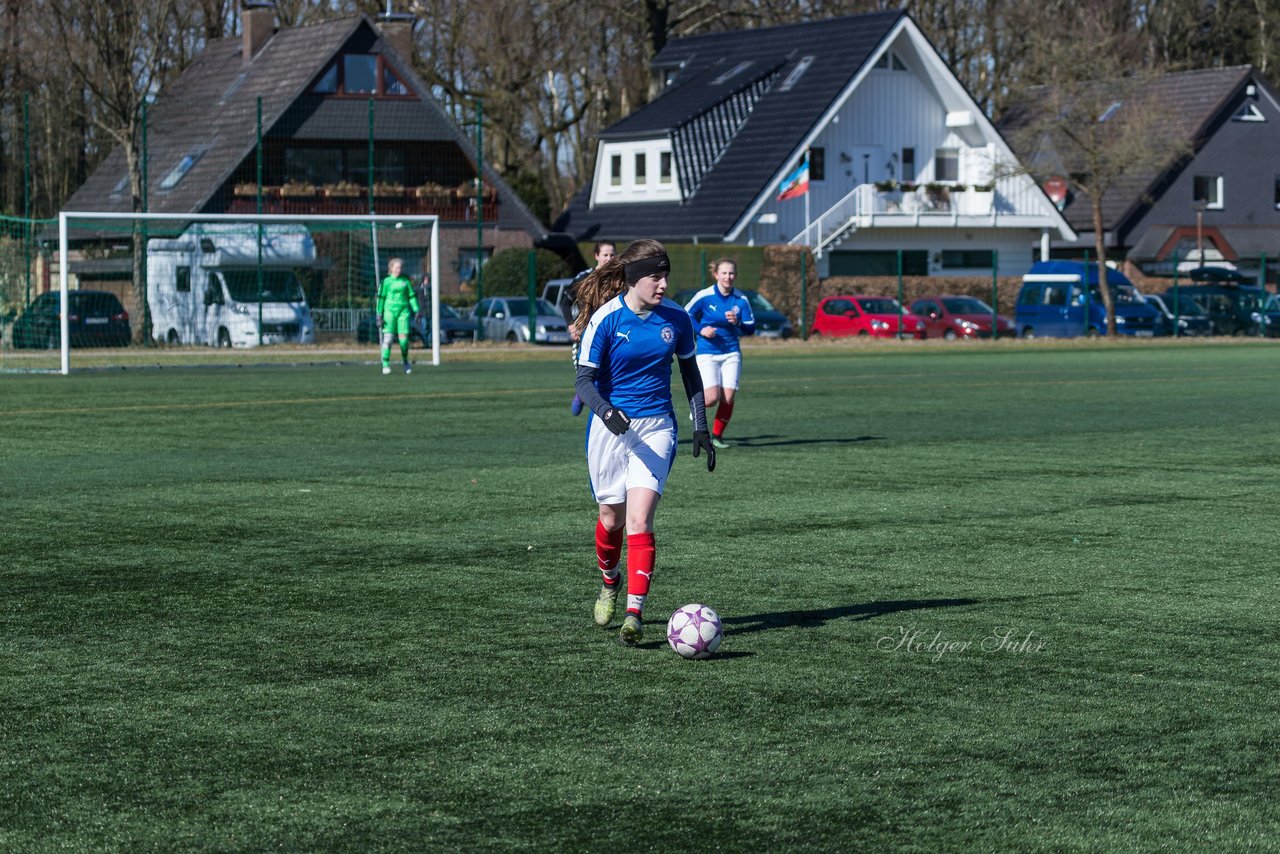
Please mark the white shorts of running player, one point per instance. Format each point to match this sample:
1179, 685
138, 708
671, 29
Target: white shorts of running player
720, 370
640, 457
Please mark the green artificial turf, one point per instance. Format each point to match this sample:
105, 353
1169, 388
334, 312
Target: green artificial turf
314, 608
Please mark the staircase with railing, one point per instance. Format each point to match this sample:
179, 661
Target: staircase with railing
838, 222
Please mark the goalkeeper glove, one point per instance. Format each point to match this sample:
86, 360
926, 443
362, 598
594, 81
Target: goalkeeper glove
702, 442
616, 420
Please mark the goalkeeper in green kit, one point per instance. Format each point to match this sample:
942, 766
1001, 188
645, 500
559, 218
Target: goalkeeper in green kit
397, 304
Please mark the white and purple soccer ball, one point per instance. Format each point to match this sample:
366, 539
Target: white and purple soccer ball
694, 631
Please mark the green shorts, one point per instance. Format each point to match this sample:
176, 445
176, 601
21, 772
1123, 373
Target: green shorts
396, 322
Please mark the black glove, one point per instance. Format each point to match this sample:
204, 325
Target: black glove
702, 442
616, 420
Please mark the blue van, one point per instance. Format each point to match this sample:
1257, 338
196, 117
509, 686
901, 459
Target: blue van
1053, 302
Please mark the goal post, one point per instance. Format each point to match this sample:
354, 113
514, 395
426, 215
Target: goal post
175, 260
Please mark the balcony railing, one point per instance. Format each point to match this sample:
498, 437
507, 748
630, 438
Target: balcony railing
449, 207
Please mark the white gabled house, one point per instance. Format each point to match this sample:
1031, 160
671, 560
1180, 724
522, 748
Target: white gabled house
900, 156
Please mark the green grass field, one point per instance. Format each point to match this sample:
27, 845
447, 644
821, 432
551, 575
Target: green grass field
313, 608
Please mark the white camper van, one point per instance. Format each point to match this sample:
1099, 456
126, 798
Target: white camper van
204, 286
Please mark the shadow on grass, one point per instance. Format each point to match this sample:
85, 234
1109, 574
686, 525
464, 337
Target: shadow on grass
771, 441
818, 616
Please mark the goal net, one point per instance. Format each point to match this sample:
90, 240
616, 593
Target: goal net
127, 286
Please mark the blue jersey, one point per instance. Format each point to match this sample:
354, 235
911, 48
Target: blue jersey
633, 356
708, 308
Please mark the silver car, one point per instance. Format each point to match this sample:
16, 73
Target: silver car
507, 319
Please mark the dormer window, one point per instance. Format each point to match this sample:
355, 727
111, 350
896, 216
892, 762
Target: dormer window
361, 74
636, 171
731, 73
180, 169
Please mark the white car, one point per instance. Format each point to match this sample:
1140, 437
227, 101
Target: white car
507, 319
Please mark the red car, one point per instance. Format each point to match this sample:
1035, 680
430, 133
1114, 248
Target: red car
953, 317
865, 315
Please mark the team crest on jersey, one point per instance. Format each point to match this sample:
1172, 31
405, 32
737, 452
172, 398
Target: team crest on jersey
668, 334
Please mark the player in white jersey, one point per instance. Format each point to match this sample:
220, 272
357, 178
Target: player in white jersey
721, 315
630, 332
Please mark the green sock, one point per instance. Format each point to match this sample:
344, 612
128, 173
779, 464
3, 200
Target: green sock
404, 350
386, 356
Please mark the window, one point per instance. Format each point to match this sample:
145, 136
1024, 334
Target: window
817, 164
946, 165
908, 164
1207, 189
178, 172
664, 167
732, 72
1248, 113
319, 165
360, 74
890, 61
391, 84
184, 280
641, 165
328, 82
796, 73
1278, 192
871, 262
1055, 294
615, 170
956, 259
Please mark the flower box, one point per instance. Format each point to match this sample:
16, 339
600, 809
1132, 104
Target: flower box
343, 191
294, 191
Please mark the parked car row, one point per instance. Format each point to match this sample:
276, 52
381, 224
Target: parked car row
94, 319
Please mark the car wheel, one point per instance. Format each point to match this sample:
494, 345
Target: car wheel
817, 333
950, 335
51, 340
1029, 332
172, 338
224, 338
512, 338
1238, 332
1091, 332
862, 333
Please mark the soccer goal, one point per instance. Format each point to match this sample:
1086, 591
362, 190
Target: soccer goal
229, 280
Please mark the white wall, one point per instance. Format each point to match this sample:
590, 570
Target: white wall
1015, 246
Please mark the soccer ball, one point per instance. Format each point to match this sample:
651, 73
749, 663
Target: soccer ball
694, 631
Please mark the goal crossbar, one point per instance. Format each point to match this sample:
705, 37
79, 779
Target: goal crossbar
247, 219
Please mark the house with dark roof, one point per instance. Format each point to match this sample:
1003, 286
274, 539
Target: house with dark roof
341, 113
1219, 201
900, 157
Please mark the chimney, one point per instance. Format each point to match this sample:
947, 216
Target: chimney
397, 29
257, 25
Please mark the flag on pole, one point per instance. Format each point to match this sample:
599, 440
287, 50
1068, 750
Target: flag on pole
797, 183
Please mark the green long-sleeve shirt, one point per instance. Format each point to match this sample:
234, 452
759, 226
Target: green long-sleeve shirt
395, 293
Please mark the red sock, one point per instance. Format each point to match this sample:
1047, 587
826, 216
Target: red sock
640, 560
723, 413
608, 552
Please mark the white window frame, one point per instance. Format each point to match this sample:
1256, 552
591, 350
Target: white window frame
651, 186
1218, 187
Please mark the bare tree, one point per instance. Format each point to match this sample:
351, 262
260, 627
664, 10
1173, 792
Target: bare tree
118, 51
1098, 119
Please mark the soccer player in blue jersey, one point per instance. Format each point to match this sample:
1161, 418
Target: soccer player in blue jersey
721, 315
630, 332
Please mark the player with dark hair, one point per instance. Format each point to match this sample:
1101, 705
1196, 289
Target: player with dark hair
397, 305
630, 332
605, 252
721, 314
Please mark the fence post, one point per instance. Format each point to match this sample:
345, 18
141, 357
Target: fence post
28, 229
260, 235
1262, 278
995, 295
900, 333
1177, 310
1084, 282
533, 288
702, 269
804, 296
147, 339
479, 214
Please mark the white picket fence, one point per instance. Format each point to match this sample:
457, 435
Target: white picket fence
337, 319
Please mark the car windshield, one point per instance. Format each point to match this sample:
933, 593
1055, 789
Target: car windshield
884, 305
95, 303
520, 307
448, 311
758, 302
1186, 305
277, 286
966, 305
1273, 304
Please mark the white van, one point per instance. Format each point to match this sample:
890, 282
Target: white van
204, 286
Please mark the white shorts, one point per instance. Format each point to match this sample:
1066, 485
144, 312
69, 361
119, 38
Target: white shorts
720, 370
640, 457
